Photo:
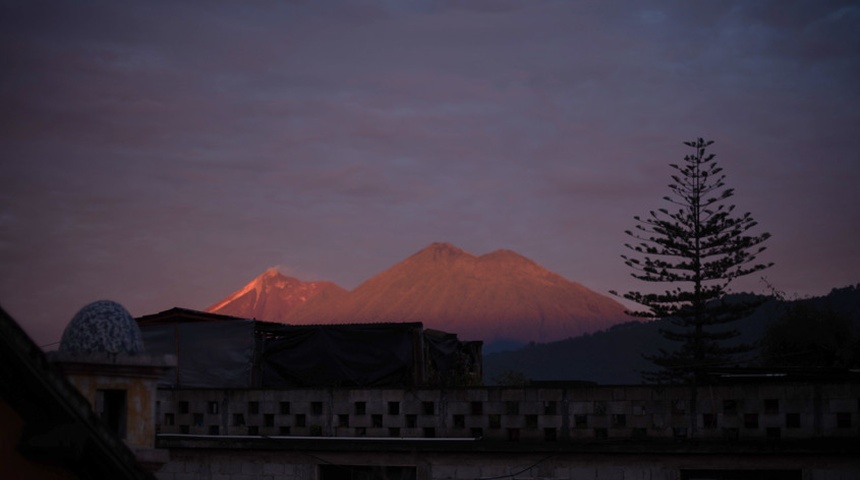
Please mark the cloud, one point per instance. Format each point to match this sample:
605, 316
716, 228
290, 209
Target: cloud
195, 144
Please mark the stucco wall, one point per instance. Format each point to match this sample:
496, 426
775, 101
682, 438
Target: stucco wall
140, 402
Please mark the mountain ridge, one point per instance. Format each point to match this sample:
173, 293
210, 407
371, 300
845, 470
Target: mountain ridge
586, 358
499, 296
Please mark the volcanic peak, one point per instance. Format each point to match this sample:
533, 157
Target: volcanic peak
441, 252
273, 296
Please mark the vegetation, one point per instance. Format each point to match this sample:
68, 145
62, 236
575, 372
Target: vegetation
810, 334
699, 248
510, 378
612, 357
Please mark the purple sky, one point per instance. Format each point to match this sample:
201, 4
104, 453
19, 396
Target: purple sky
162, 154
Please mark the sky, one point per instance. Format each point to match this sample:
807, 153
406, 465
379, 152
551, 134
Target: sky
163, 154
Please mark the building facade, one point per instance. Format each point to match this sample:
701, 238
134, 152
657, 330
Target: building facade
755, 428
322, 417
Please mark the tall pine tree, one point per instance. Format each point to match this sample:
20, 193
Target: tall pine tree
698, 246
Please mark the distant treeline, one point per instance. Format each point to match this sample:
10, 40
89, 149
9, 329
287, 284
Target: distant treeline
819, 331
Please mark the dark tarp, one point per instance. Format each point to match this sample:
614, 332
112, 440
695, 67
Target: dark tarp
450, 362
338, 355
240, 353
442, 348
209, 354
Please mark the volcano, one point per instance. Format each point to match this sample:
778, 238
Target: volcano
273, 296
500, 296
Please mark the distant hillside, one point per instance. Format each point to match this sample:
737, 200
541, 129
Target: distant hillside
614, 356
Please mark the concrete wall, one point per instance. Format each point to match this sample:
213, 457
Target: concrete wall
743, 411
798, 431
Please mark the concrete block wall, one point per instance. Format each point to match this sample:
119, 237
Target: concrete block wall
767, 411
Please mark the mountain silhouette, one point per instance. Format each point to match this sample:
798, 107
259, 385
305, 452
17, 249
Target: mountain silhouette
614, 356
498, 297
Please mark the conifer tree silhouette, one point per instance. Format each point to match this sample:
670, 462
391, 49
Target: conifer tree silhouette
698, 246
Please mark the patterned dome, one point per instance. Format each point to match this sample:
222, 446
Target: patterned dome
102, 327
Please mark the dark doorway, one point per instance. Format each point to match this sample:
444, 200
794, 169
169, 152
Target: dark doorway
112, 408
